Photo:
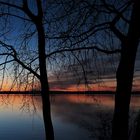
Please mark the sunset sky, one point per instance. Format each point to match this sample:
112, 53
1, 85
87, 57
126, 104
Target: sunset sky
64, 73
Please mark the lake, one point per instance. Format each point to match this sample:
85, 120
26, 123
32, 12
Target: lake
75, 117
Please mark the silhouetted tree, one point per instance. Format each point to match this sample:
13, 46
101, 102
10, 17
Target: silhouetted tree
125, 74
37, 20
92, 21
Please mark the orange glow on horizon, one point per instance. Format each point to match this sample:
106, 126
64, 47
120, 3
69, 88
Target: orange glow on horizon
104, 86
82, 88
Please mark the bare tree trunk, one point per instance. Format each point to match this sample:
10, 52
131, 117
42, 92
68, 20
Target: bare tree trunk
125, 77
44, 83
38, 21
123, 95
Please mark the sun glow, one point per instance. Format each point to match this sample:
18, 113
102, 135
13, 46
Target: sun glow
106, 85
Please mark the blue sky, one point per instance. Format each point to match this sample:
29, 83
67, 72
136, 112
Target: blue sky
64, 70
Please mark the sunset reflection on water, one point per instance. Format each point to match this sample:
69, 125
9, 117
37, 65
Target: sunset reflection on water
21, 118
74, 116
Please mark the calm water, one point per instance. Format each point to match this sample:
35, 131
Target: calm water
75, 117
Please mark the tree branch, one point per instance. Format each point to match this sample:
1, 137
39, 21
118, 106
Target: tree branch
26, 67
114, 29
121, 36
39, 7
13, 15
28, 11
119, 14
6, 62
85, 48
14, 55
11, 5
112, 9
94, 29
